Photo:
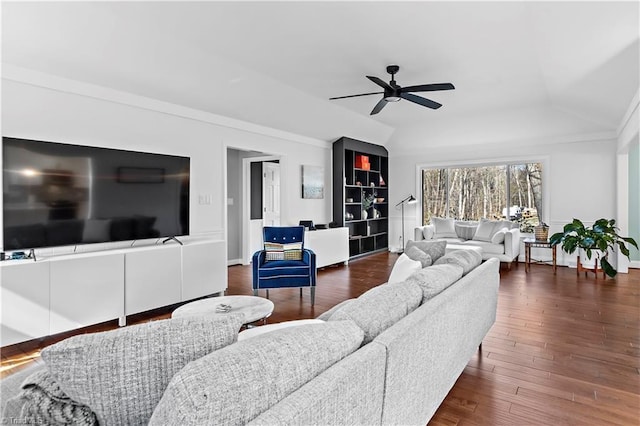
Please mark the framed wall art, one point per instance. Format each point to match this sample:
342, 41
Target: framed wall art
312, 182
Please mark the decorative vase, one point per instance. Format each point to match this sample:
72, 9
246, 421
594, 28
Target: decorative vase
365, 215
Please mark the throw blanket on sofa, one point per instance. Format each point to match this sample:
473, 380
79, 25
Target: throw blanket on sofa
46, 404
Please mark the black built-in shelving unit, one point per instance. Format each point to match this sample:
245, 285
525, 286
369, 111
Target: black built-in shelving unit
351, 182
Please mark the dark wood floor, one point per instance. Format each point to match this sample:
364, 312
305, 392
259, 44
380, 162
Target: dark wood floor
565, 350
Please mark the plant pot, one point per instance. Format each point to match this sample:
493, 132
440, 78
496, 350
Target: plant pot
541, 233
587, 263
365, 215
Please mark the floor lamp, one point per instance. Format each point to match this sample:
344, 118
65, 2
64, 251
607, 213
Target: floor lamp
409, 200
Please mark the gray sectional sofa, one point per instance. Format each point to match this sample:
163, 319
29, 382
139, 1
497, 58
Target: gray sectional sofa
387, 357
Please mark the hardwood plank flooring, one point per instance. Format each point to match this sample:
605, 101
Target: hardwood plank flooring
565, 349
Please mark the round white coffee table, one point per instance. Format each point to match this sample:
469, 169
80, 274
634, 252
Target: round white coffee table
254, 308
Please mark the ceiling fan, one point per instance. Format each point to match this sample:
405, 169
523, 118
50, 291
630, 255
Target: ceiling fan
394, 92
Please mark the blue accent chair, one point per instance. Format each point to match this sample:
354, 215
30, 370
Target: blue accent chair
284, 273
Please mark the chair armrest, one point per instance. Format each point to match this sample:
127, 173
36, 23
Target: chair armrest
424, 232
512, 243
258, 257
309, 257
256, 262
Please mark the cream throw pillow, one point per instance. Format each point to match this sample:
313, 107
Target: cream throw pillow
403, 268
445, 227
498, 237
415, 253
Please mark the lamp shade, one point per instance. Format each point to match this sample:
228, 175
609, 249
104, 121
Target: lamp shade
411, 200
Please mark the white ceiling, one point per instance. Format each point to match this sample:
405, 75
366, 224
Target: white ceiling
277, 63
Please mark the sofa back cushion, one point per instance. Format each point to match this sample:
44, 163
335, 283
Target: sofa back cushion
466, 231
485, 230
326, 315
498, 236
380, 308
444, 227
467, 259
404, 267
414, 253
428, 232
234, 385
122, 374
434, 279
435, 249
488, 228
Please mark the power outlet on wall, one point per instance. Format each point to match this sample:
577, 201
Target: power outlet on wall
204, 199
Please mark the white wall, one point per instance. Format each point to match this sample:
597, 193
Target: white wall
53, 109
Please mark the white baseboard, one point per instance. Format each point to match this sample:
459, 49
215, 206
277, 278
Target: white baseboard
232, 262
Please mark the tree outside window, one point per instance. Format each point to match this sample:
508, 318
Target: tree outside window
512, 191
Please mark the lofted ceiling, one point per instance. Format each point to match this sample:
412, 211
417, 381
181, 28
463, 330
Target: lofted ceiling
277, 63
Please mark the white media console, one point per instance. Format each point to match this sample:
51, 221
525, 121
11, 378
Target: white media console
65, 292
330, 245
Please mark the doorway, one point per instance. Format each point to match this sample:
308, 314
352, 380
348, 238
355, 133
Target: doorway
253, 201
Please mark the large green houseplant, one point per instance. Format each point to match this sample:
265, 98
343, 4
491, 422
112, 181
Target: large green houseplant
600, 239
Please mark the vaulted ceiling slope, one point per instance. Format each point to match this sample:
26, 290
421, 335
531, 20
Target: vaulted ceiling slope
277, 63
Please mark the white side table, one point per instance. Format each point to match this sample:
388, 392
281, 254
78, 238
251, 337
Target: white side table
254, 308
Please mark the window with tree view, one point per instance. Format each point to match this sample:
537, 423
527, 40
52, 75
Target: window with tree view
507, 191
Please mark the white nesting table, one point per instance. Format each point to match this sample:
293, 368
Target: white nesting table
254, 308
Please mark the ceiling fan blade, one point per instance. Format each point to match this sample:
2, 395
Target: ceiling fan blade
428, 87
353, 96
376, 109
380, 83
420, 100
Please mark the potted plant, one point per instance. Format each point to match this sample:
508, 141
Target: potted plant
599, 239
367, 202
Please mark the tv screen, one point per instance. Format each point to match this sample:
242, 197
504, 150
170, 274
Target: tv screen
58, 194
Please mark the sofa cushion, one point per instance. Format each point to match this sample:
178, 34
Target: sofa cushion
498, 237
506, 224
122, 374
44, 403
234, 385
428, 232
467, 259
326, 315
404, 267
466, 231
380, 308
487, 248
414, 253
488, 228
444, 227
435, 249
485, 230
435, 279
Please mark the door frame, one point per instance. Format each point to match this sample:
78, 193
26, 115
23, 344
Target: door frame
246, 201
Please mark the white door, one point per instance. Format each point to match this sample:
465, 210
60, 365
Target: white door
271, 194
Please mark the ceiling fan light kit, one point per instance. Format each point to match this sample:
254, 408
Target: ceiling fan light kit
393, 92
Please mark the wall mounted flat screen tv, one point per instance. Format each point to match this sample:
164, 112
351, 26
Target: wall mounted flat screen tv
57, 194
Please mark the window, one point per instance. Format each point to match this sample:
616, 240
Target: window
507, 191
